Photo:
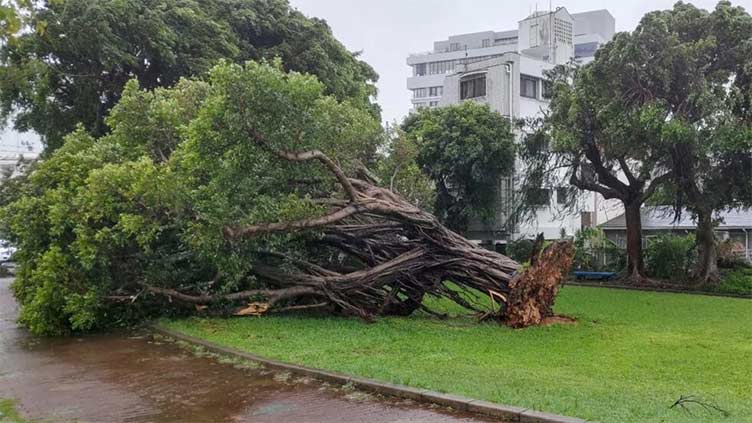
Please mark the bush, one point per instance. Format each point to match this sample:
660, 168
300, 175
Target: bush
737, 281
520, 250
670, 257
594, 252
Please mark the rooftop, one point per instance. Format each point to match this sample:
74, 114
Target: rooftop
662, 217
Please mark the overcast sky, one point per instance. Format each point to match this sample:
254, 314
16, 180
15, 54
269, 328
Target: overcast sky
388, 30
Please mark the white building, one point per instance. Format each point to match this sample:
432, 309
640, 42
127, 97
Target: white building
506, 70
17, 147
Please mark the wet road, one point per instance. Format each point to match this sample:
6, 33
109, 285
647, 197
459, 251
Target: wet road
130, 378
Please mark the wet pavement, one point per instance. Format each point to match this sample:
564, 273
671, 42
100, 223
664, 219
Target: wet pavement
130, 377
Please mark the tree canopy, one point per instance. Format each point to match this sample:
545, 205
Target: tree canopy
465, 149
67, 62
146, 205
666, 102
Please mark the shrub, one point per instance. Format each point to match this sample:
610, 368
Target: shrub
738, 281
520, 250
670, 257
595, 252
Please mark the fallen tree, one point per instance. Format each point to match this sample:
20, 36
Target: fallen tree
391, 255
244, 195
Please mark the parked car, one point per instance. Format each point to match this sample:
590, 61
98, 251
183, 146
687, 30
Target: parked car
6, 251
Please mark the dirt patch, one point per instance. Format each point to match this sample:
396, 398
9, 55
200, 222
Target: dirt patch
558, 320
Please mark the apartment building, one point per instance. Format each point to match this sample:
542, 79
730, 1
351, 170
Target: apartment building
506, 70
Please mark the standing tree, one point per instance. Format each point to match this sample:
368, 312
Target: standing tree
595, 141
709, 119
668, 102
66, 62
465, 149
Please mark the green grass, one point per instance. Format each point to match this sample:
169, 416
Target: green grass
9, 414
631, 355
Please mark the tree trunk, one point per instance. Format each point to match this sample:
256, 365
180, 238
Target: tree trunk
635, 264
706, 268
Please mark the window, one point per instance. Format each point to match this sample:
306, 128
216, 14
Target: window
548, 89
585, 49
419, 106
455, 47
528, 86
473, 86
539, 197
420, 92
438, 68
485, 43
433, 104
562, 194
419, 69
435, 91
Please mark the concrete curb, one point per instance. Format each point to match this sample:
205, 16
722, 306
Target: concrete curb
648, 289
504, 412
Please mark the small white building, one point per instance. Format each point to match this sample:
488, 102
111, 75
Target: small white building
506, 71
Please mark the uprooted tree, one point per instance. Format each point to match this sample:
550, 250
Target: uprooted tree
244, 195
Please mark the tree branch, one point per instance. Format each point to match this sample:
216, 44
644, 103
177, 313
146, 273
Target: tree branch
301, 156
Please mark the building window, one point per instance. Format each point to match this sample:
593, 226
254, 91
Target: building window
585, 49
435, 91
539, 197
420, 92
486, 43
562, 194
419, 106
473, 86
528, 86
433, 104
419, 69
455, 47
548, 89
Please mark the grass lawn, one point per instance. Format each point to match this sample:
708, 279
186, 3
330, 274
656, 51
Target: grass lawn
8, 413
629, 357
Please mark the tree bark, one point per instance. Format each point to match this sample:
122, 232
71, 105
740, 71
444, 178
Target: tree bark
635, 264
706, 268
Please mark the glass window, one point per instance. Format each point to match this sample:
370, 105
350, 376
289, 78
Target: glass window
419, 69
562, 193
473, 86
528, 86
486, 43
433, 103
420, 92
539, 197
435, 91
585, 49
548, 89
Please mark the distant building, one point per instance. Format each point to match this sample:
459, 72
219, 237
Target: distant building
735, 225
17, 148
506, 71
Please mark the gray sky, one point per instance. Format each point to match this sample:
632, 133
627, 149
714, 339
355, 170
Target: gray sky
388, 30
